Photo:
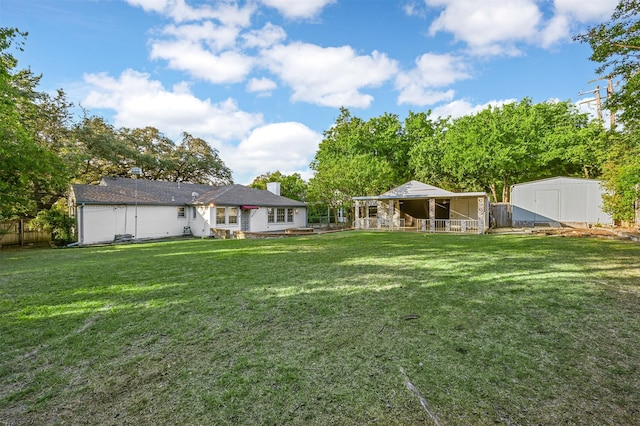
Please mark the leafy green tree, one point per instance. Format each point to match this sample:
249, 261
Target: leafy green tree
500, 146
55, 219
336, 182
291, 186
106, 151
621, 176
616, 46
359, 157
102, 151
427, 144
29, 172
195, 161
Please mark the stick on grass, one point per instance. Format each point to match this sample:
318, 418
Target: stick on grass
421, 398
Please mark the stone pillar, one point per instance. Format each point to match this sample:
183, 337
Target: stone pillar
391, 213
432, 214
357, 206
481, 215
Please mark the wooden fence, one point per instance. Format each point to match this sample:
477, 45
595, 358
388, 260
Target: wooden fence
500, 215
17, 233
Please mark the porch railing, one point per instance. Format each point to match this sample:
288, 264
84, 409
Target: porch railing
420, 225
448, 225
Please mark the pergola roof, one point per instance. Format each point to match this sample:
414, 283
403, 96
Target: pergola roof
415, 189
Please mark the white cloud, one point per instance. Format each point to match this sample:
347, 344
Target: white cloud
225, 12
586, 10
488, 26
498, 27
217, 37
265, 37
184, 55
416, 95
261, 85
331, 76
297, 9
288, 146
460, 108
562, 25
140, 102
431, 70
557, 29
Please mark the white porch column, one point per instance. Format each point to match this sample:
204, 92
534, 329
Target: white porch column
432, 214
481, 215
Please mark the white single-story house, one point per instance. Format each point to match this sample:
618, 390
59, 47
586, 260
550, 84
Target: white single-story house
147, 209
558, 201
421, 207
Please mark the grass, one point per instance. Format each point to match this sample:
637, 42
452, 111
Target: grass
345, 328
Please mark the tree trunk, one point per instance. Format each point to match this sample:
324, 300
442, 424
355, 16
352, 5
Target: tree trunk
505, 191
492, 187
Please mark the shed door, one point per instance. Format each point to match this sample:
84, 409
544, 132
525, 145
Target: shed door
245, 220
547, 205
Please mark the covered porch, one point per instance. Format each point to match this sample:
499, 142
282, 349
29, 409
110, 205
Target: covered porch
419, 207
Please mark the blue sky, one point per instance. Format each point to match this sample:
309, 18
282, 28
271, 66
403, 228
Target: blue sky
262, 80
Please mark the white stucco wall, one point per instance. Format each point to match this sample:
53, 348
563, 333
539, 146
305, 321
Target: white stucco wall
259, 220
99, 224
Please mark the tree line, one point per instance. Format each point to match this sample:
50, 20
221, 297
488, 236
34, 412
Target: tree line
43, 149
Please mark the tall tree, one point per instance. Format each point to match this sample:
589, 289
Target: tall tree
29, 172
500, 146
196, 161
616, 47
359, 157
427, 142
106, 151
291, 186
621, 177
337, 181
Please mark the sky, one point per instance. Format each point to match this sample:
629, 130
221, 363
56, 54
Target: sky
261, 80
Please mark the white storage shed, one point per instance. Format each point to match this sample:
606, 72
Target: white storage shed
558, 201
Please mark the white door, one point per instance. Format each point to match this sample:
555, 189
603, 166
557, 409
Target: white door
547, 206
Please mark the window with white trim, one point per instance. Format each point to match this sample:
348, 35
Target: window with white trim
289, 215
270, 216
233, 215
221, 213
280, 215
181, 213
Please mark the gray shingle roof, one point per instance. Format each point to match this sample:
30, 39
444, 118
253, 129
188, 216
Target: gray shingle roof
113, 190
236, 195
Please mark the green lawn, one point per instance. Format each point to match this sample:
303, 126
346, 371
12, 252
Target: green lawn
343, 328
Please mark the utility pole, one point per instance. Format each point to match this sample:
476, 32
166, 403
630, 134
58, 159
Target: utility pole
598, 99
612, 114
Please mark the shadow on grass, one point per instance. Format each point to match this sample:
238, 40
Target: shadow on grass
315, 330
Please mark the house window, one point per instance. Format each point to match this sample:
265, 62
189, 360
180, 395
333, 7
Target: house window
270, 217
373, 211
181, 212
221, 215
233, 215
194, 214
289, 215
280, 217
